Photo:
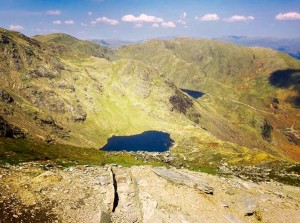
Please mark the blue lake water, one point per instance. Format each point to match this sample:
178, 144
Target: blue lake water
194, 94
150, 141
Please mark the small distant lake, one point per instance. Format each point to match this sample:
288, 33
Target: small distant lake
194, 94
150, 141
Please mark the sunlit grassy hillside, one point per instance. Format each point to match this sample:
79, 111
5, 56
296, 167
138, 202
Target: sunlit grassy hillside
58, 89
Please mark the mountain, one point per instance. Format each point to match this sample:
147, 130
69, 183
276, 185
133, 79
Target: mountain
64, 44
251, 95
290, 46
59, 89
60, 94
113, 43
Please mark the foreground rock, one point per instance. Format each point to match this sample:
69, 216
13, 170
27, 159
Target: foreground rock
184, 179
10, 131
29, 193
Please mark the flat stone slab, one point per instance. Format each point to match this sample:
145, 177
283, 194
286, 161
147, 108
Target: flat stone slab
184, 179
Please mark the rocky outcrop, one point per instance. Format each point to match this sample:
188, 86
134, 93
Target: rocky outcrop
184, 179
5, 96
79, 115
10, 131
180, 102
66, 86
43, 71
44, 192
47, 99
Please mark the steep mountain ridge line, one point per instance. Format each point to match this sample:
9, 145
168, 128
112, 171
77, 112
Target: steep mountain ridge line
65, 44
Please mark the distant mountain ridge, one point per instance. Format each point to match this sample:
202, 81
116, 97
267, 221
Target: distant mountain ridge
290, 46
116, 43
113, 43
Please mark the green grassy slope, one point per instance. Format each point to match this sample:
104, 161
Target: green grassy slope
70, 46
239, 94
78, 99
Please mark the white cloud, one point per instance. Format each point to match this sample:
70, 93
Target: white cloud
183, 15
15, 27
142, 18
209, 17
90, 13
69, 22
138, 25
182, 19
56, 22
168, 25
54, 12
288, 16
239, 18
105, 20
155, 25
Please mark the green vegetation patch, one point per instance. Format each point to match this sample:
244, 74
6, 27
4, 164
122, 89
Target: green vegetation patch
14, 151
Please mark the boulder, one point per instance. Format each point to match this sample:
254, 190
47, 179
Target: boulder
249, 205
184, 179
5, 96
10, 131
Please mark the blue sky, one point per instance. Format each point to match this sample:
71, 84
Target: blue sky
145, 19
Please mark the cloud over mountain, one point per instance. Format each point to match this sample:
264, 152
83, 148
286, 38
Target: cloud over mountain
105, 20
142, 18
209, 17
168, 25
16, 27
288, 16
239, 18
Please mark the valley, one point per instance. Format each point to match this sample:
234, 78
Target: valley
177, 112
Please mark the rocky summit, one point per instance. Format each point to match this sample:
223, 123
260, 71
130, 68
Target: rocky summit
218, 126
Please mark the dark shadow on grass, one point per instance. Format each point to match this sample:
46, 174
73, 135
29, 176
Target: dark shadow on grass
285, 79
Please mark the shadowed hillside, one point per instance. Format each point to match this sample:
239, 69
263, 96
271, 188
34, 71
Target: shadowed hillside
288, 79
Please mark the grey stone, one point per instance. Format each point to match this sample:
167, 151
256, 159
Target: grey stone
224, 169
184, 179
250, 206
224, 204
